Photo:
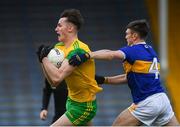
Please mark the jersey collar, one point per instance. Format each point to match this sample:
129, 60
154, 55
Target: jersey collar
139, 43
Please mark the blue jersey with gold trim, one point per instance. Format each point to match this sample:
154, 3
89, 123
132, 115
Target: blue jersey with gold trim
142, 67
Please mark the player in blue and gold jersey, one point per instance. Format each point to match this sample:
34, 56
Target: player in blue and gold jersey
151, 105
82, 88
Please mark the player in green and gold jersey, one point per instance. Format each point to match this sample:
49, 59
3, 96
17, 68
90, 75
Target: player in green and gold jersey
82, 88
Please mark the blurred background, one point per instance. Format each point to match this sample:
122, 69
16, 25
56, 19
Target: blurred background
25, 24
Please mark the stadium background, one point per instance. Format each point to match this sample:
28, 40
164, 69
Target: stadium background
25, 24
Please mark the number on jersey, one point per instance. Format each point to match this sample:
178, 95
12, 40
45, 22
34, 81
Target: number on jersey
154, 68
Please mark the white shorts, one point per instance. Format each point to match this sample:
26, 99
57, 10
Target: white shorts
154, 110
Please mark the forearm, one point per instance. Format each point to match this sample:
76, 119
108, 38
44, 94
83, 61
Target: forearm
57, 75
46, 98
107, 54
101, 54
52, 72
119, 79
46, 75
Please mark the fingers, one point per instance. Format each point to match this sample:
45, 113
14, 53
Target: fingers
43, 114
38, 52
87, 55
73, 61
78, 58
43, 51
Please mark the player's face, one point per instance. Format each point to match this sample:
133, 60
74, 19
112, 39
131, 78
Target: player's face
129, 36
62, 29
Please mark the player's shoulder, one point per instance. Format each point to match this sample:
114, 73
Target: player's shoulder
59, 44
126, 48
135, 47
81, 45
129, 51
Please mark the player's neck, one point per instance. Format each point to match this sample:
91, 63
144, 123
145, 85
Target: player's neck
70, 40
138, 41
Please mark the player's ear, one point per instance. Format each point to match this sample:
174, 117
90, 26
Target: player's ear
135, 35
71, 27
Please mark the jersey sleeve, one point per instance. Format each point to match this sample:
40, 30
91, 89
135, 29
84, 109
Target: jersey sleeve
46, 95
58, 44
128, 52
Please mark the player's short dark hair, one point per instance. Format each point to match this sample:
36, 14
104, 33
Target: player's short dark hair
139, 26
73, 16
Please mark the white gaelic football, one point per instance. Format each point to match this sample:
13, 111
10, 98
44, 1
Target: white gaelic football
56, 56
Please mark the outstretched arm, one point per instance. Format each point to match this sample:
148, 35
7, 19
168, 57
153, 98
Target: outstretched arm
118, 79
107, 54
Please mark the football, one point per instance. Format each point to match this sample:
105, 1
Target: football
56, 57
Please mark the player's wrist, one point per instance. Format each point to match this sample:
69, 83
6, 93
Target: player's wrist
43, 109
99, 79
106, 81
90, 55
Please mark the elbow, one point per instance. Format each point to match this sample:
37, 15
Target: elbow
55, 81
125, 78
57, 78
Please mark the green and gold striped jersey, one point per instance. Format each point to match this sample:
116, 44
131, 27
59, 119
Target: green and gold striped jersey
81, 83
